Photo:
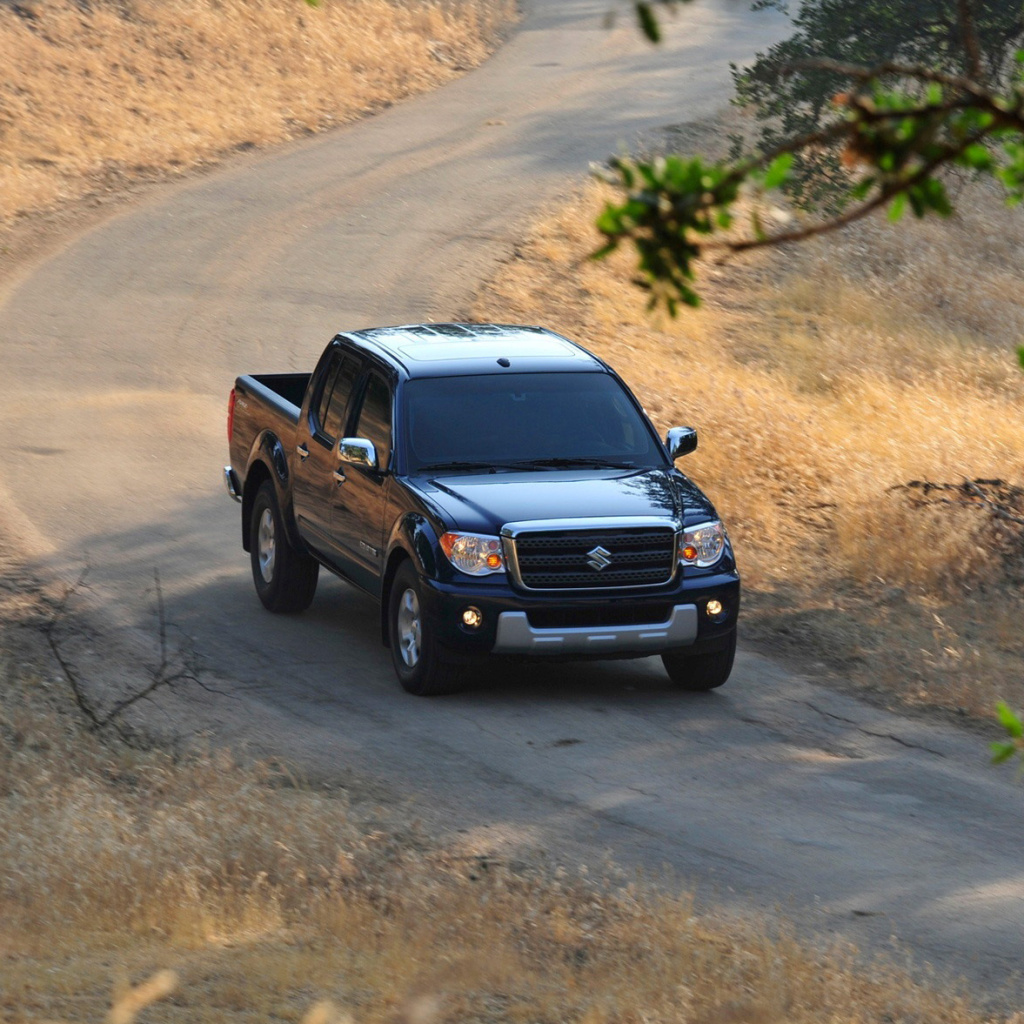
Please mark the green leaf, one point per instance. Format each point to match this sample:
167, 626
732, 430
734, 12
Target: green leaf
978, 157
1020, 356
938, 197
778, 170
609, 222
862, 188
1010, 720
1001, 752
648, 21
897, 206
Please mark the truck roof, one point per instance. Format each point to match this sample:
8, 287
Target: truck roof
462, 349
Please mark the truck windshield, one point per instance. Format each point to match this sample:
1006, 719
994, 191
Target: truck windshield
524, 421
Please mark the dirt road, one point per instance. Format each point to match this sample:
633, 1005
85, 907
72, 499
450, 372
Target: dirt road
117, 358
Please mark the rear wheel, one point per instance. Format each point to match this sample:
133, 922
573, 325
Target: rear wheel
285, 579
696, 672
423, 667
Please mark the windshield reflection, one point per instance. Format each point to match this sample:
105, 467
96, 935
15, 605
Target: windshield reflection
525, 421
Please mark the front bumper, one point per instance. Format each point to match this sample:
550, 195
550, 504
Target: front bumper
578, 625
515, 635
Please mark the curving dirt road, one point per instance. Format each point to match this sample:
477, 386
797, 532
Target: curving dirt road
117, 356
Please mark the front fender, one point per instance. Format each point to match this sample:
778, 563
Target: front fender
416, 537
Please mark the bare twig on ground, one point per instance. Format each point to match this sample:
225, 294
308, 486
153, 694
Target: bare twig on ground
171, 670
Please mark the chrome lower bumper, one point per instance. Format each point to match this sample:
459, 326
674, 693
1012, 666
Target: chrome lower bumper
231, 483
516, 635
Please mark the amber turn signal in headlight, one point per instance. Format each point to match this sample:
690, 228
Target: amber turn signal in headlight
702, 545
472, 553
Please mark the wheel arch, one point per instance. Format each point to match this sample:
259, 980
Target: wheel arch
254, 480
395, 560
267, 461
412, 539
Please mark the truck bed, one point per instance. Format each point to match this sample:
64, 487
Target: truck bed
279, 390
266, 401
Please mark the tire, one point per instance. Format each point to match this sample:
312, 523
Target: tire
285, 579
699, 672
423, 667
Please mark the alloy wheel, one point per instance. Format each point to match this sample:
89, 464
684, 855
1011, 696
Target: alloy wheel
266, 545
409, 636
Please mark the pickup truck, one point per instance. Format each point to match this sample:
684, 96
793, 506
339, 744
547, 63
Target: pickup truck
497, 489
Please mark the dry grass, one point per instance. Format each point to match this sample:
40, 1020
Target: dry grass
97, 92
820, 379
264, 897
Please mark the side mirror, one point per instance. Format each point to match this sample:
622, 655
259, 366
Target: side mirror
680, 441
357, 451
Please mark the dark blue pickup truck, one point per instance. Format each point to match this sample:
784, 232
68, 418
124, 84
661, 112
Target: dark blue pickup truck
497, 489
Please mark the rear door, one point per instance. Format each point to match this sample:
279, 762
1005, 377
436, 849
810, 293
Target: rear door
361, 501
315, 483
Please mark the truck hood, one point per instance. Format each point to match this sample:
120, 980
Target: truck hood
483, 503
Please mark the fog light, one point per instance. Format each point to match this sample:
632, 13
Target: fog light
714, 609
471, 618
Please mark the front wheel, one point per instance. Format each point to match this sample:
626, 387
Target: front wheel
285, 579
697, 672
421, 664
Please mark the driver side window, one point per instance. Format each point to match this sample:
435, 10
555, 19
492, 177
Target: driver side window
375, 418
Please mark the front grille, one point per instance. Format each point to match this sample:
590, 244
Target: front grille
570, 559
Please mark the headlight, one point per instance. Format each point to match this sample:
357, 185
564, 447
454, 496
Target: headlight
473, 553
702, 545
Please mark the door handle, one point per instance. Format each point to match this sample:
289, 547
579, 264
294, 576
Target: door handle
339, 476
303, 452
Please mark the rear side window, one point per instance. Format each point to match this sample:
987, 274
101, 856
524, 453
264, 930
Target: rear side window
332, 405
330, 379
337, 407
375, 418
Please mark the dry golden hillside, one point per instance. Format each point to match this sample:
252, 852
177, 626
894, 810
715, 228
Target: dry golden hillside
95, 95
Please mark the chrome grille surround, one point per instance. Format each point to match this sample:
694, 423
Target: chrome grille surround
556, 554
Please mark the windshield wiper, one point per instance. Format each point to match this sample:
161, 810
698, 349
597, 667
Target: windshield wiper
435, 467
560, 463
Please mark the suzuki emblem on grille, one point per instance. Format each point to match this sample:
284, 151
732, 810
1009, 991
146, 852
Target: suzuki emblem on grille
599, 559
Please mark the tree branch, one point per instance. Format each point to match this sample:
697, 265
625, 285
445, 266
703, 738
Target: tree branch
970, 38
983, 99
842, 220
77, 690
